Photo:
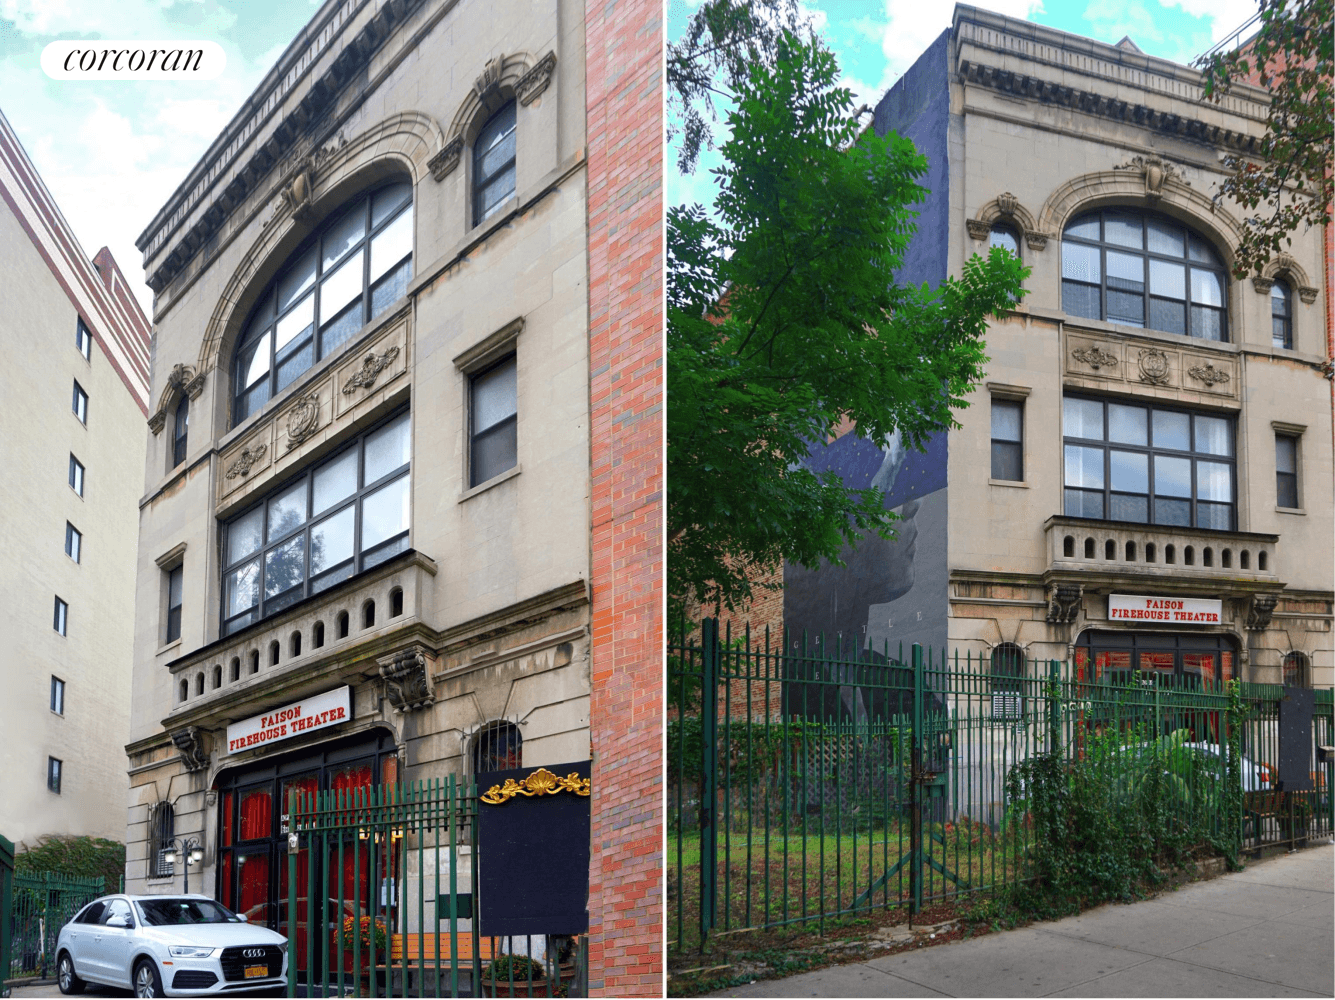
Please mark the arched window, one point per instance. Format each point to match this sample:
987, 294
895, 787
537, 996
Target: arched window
349, 272
1295, 671
1003, 236
1281, 315
498, 747
161, 830
494, 164
1145, 270
182, 424
1007, 681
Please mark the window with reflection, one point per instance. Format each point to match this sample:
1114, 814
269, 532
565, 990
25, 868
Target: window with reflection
1144, 270
494, 164
180, 431
494, 414
1148, 464
1281, 315
498, 747
345, 515
356, 266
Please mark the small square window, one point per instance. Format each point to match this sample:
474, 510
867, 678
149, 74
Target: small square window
80, 404
174, 580
53, 769
76, 475
57, 695
83, 340
73, 541
62, 616
1008, 440
1286, 471
494, 416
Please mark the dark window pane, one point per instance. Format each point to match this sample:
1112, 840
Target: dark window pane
1286, 453
337, 333
1006, 461
1168, 316
1207, 323
1198, 249
1083, 503
385, 201
1081, 300
1216, 516
284, 568
1130, 508
1279, 332
377, 556
296, 363
1125, 307
336, 575
1177, 512
494, 451
492, 195
252, 401
391, 288
1286, 489
173, 624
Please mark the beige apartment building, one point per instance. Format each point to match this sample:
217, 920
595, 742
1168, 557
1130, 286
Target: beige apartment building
77, 381
368, 480
1143, 481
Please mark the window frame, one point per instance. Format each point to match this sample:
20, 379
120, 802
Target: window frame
509, 358
252, 330
180, 430
1103, 245
55, 771
1006, 401
161, 833
480, 182
79, 404
172, 623
60, 621
489, 732
76, 477
73, 542
1301, 667
1006, 686
83, 340
1295, 441
1285, 342
1151, 450
57, 696
229, 625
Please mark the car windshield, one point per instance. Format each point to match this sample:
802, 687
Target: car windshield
170, 912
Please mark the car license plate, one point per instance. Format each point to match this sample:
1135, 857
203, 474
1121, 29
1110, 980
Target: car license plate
256, 971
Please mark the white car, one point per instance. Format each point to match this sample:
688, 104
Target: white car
167, 946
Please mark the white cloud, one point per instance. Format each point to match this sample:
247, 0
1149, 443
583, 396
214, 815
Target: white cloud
912, 26
1225, 16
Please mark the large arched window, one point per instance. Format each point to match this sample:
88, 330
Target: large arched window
353, 269
1145, 270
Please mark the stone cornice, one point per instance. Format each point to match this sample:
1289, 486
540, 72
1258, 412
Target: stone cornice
179, 219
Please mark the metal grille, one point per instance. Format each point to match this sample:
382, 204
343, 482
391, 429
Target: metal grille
235, 961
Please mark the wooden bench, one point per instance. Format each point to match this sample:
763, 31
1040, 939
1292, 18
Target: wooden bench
421, 948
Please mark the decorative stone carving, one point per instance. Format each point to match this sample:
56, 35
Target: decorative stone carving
1064, 602
1262, 285
190, 744
303, 419
535, 81
1208, 374
979, 229
490, 80
1095, 357
294, 194
407, 679
1156, 171
1153, 366
447, 159
181, 380
1307, 294
1258, 614
1007, 203
247, 460
1036, 240
372, 366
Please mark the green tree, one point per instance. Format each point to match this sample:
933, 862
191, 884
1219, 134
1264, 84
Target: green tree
723, 40
785, 319
1288, 186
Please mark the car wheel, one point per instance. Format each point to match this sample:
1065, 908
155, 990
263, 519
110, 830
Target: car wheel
70, 983
147, 982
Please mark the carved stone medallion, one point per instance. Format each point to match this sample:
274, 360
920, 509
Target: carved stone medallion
1155, 170
1095, 357
1208, 374
372, 366
247, 460
1153, 366
303, 419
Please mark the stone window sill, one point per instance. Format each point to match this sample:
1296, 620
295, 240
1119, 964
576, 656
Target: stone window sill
493, 481
1018, 484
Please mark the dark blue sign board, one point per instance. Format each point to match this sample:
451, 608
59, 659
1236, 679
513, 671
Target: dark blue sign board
533, 858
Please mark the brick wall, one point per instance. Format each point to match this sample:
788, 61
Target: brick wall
625, 165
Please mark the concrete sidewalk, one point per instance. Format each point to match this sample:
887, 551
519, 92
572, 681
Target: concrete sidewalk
1268, 931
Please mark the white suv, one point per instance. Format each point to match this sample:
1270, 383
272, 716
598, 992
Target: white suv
167, 946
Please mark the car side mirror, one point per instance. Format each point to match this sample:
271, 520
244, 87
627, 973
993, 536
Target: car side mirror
241, 917
118, 922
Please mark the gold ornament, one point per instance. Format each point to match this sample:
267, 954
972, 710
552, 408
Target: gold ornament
540, 782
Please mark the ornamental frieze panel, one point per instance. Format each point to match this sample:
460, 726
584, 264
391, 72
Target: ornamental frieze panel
246, 460
1094, 358
370, 372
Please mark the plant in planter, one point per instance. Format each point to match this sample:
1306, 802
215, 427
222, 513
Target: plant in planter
369, 934
517, 969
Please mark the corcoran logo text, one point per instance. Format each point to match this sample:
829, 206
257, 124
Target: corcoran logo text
79, 59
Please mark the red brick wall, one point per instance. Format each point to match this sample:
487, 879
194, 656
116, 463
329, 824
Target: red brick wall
625, 188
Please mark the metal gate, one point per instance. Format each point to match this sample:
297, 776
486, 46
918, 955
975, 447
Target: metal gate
381, 884
40, 905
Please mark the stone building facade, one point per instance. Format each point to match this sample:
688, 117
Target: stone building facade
1150, 428
389, 308
77, 345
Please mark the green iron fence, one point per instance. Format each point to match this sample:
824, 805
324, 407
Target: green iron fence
808, 782
41, 903
393, 913
6, 914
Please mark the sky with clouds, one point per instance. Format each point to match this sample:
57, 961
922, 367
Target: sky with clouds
877, 40
111, 152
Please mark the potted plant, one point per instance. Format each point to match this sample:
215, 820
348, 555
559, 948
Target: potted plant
369, 934
511, 975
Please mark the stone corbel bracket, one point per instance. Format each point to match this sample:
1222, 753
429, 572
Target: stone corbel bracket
407, 678
1006, 207
1259, 612
1064, 602
190, 744
181, 380
518, 75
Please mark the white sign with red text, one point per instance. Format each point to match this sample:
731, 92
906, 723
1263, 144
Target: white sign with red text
1170, 610
316, 712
